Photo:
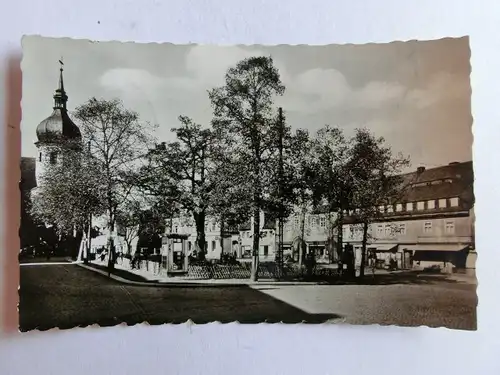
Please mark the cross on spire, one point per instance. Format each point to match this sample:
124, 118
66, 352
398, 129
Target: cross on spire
60, 97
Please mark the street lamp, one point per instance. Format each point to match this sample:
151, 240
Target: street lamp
89, 235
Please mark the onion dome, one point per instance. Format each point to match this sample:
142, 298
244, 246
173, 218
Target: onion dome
58, 127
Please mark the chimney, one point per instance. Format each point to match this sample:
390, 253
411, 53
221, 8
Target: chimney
420, 170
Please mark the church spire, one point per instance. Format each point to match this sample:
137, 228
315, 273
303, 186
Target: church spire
60, 97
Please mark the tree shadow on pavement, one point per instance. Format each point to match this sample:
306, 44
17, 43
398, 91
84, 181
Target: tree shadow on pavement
121, 273
72, 296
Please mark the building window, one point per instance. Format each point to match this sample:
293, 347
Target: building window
322, 222
314, 221
53, 157
449, 227
399, 207
390, 208
213, 245
176, 230
387, 230
380, 230
266, 250
454, 202
420, 206
402, 229
431, 205
409, 206
427, 227
40, 157
296, 222
214, 227
442, 203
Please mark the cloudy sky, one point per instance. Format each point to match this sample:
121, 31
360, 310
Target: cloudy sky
415, 94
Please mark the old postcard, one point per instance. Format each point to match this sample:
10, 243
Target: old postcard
316, 184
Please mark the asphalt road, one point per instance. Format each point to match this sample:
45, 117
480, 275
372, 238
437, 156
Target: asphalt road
67, 296
435, 303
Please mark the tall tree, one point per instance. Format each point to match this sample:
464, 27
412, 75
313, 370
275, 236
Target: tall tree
71, 191
229, 201
330, 179
180, 171
376, 175
300, 164
129, 219
243, 110
118, 141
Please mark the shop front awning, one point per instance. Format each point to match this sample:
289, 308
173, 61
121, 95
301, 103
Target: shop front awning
436, 247
383, 247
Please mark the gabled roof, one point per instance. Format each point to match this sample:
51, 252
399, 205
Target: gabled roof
452, 180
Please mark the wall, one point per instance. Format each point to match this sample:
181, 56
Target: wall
268, 238
413, 232
43, 164
185, 225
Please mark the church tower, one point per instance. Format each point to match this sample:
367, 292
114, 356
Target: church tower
56, 134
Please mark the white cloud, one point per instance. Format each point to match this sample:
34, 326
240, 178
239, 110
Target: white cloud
208, 65
442, 86
323, 89
311, 92
129, 79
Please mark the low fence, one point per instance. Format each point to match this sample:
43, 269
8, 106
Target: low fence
266, 271
206, 271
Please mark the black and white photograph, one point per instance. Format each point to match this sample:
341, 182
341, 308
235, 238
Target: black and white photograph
165, 183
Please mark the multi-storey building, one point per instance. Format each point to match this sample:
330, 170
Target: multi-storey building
267, 242
185, 225
432, 224
237, 241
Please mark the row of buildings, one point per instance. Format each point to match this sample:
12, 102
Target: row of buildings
432, 224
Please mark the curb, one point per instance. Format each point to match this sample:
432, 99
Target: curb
192, 284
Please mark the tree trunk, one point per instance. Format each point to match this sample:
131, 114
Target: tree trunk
363, 250
221, 236
340, 239
111, 253
302, 234
89, 240
256, 242
199, 219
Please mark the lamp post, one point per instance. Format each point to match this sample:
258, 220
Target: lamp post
89, 233
279, 253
